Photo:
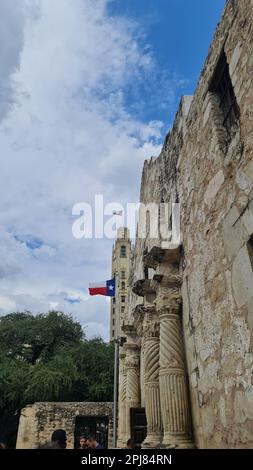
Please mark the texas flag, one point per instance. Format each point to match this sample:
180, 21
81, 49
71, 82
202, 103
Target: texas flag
106, 288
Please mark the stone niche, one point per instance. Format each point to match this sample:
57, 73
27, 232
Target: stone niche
38, 421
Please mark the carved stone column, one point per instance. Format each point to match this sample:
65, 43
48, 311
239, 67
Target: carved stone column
152, 395
138, 322
132, 363
122, 436
172, 374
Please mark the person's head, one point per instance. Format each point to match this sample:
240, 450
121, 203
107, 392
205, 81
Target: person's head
130, 444
91, 442
83, 442
60, 437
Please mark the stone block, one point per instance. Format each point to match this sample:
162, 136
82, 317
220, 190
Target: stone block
217, 289
247, 220
250, 314
242, 277
248, 170
243, 406
235, 59
243, 181
234, 233
207, 113
222, 411
213, 188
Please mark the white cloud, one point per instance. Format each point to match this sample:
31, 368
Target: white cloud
6, 303
11, 43
97, 330
67, 135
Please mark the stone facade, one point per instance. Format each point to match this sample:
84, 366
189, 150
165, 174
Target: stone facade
188, 358
38, 421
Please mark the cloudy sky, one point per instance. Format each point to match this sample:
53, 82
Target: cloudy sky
88, 90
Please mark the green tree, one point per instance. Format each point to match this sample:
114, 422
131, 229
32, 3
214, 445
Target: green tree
33, 338
47, 358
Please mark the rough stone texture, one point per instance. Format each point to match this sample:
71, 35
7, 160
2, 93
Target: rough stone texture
38, 421
212, 178
218, 268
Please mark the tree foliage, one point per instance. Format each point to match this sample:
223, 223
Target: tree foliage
47, 358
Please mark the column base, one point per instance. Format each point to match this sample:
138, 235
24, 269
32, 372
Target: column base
171, 441
121, 444
152, 441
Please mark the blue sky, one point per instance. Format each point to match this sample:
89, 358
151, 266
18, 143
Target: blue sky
88, 91
179, 32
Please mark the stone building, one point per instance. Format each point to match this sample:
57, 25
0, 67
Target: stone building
38, 421
188, 360
121, 262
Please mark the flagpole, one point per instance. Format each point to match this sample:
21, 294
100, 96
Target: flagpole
116, 370
115, 399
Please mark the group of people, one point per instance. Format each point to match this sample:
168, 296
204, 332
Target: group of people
89, 443
59, 441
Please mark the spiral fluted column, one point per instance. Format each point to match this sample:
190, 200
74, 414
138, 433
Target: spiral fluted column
132, 364
152, 396
172, 373
122, 436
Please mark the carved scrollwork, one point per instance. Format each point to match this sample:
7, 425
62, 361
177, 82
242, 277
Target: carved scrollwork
132, 359
151, 329
169, 300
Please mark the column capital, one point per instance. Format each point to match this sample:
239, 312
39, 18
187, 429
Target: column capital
143, 287
138, 315
132, 350
145, 309
157, 255
130, 331
122, 353
169, 297
170, 281
151, 328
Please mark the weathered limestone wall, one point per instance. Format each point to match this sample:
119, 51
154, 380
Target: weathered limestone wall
212, 178
28, 432
38, 421
159, 179
216, 192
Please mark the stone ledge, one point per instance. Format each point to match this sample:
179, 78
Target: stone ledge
158, 255
143, 287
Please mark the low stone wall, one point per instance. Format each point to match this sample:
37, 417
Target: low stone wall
38, 421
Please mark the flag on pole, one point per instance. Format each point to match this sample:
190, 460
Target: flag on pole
106, 288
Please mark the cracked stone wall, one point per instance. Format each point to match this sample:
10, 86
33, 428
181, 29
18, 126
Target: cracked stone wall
216, 191
212, 178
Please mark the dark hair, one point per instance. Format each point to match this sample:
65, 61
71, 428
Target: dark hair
130, 442
91, 438
83, 437
59, 435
